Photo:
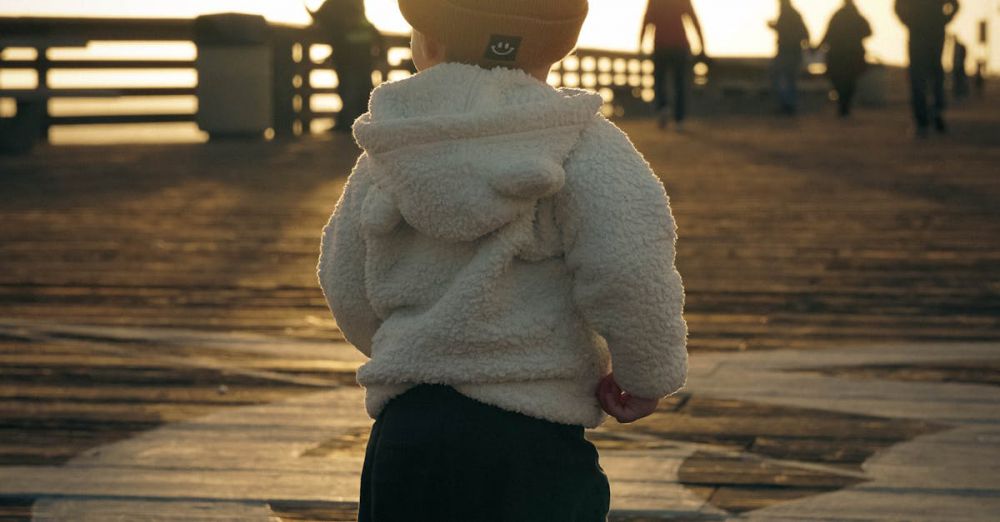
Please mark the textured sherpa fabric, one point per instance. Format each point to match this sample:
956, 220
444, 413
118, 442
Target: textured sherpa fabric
503, 237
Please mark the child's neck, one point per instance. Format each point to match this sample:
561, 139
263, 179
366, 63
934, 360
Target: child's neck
541, 73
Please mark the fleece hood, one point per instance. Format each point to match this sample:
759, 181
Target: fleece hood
458, 151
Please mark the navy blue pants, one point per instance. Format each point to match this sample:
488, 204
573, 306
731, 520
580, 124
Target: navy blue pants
436, 455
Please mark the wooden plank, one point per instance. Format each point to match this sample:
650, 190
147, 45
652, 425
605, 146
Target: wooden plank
85, 29
45, 94
827, 450
121, 118
742, 499
143, 376
99, 509
103, 64
971, 372
705, 469
315, 511
297, 366
684, 427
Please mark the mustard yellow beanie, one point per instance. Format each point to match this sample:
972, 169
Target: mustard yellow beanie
522, 34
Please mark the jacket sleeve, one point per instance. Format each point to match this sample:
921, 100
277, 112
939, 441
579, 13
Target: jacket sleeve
341, 269
618, 235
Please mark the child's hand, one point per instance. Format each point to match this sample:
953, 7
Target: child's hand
621, 405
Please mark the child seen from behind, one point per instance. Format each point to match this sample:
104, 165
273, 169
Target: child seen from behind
498, 247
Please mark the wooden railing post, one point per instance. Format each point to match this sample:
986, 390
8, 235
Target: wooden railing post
42, 66
284, 91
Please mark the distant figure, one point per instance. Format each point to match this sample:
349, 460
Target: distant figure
671, 52
356, 45
959, 75
845, 57
980, 79
792, 37
926, 21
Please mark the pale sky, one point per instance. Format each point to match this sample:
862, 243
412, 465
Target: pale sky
732, 27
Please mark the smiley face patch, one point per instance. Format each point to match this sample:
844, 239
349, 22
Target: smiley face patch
503, 48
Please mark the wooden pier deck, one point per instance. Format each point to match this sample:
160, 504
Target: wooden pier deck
165, 348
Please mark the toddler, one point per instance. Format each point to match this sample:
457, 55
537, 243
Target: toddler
499, 246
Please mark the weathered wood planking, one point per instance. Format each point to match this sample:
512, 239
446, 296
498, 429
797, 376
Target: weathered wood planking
794, 234
62, 396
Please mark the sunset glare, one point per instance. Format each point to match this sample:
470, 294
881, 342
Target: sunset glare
732, 27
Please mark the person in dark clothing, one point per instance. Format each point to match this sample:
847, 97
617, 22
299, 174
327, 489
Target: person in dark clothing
793, 35
671, 52
959, 75
979, 80
845, 57
357, 45
926, 21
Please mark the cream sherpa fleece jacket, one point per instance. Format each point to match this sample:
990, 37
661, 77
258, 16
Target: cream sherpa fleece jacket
503, 237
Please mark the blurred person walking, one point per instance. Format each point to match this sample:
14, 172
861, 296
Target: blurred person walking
845, 53
671, 53
926, 21
357, 45
959, 73
979, 79
793, 35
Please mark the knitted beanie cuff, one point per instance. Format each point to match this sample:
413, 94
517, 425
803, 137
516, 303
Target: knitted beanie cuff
495, 37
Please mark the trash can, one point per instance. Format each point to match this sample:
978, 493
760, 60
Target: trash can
20, 132
235, 73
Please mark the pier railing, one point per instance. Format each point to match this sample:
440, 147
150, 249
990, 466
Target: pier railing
30, 59
304, 85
